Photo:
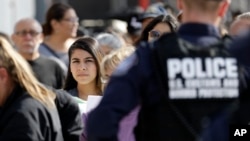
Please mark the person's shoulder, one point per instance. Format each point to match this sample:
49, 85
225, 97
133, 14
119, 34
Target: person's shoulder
64, 98
27, 106
53, 63
48, 60
143, 49
240, 48
136, 61
126, 65
43, 48
63, 95
167, 39
26, 100
242, 40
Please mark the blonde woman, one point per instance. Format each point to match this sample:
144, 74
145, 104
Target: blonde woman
108, 66
27, 109
112, 60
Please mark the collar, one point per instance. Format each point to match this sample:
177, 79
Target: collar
198, 29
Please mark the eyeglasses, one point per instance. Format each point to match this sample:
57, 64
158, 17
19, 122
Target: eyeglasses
24, 33
72, 20
154, 34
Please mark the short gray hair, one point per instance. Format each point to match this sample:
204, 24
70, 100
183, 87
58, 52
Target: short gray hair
109, 40
244, 16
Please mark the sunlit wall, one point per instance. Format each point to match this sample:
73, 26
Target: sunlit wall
13, 10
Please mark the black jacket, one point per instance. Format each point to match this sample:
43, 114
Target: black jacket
135, 78
70, 116
22, 118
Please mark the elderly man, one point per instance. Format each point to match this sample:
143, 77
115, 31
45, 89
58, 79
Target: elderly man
27, 37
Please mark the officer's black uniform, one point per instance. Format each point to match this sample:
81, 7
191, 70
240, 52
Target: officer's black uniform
135, 76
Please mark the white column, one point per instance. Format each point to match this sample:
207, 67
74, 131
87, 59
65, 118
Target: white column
13, 10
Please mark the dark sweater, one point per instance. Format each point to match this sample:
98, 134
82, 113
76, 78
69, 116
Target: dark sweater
48, 72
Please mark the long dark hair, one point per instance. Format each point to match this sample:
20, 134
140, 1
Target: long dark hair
55, 12
170, 20
90, 45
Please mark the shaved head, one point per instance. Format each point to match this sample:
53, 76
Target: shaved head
203, 11
28, 21
204, 5
27, 36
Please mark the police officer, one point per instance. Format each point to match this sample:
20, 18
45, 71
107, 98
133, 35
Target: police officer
136, 77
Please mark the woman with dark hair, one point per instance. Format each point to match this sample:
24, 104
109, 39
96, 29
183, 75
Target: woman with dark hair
84, 77
59, 29
157, 27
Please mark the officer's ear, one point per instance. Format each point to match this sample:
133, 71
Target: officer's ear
179, 4
223, 8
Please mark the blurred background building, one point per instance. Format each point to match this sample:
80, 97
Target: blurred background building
93, 14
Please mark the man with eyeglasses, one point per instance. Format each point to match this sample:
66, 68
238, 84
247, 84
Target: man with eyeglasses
27, 37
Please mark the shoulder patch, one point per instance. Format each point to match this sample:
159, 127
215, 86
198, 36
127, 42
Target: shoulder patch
126, 65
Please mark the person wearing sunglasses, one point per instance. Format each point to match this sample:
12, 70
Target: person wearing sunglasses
157, 27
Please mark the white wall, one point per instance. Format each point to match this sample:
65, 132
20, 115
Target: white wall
13, 10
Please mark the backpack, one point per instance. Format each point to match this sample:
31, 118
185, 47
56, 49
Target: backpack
200, 92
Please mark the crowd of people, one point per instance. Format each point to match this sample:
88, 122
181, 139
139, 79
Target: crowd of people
172, 81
